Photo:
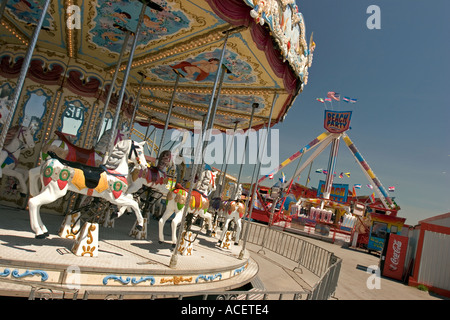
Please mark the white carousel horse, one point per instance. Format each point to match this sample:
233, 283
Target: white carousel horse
108, 182
66, 150
232, 209
199, 203
17, 138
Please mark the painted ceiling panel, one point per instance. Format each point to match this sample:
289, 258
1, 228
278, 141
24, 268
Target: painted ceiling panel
266, 59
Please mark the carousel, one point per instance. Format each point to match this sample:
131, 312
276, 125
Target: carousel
81, 82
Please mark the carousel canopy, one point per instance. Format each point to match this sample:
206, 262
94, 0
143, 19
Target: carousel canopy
266, 59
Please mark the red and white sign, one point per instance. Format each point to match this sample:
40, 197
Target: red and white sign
395, 256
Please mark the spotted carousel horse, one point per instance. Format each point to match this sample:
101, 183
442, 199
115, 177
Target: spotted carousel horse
233, 210
109, 181
152, 177
199, 203
17, 138
218, 205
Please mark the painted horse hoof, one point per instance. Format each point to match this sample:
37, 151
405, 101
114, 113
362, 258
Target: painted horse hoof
46, 234
173, 246
139, 228
40, 236
160, 242
208, 233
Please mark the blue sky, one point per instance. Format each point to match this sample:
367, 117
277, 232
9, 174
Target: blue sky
400, 75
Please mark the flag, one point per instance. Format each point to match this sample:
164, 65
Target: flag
347, 174
320, 100
354, 191
283, 177
391, 189
270, 176
348, 99
357, 186
333, 95
372, 197
325, 171
341, 175
369, 186
319, 170
327, 99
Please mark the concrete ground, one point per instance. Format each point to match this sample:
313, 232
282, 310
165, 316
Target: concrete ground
277, 273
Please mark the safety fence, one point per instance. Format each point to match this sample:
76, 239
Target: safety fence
314, 258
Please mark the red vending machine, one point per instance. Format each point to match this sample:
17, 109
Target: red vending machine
393, 256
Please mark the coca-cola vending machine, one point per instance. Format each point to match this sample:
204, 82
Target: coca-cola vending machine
393, 256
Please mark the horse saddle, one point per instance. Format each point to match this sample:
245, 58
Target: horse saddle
91, 174
216, 202
77, 154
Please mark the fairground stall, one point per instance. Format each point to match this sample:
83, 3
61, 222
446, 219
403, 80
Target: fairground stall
85, 67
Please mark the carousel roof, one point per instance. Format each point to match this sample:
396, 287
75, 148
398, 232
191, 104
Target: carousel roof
267, 55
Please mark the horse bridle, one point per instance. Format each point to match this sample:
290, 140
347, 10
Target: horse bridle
133, 149
22, 139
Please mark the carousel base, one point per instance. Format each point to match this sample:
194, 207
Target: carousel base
123, 264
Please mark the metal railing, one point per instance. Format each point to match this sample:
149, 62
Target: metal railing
314, 258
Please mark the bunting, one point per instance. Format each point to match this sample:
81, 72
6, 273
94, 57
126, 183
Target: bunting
349, 100
391, 189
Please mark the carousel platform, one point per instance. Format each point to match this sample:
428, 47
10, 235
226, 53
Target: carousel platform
123, 263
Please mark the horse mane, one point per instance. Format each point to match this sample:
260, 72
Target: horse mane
11, 134
120, 150
102, 144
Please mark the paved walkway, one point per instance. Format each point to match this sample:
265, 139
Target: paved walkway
121, 252
277, 273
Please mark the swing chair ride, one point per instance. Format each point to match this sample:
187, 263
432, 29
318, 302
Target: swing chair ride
331, 206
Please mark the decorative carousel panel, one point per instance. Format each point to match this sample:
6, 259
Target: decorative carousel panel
266, 58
